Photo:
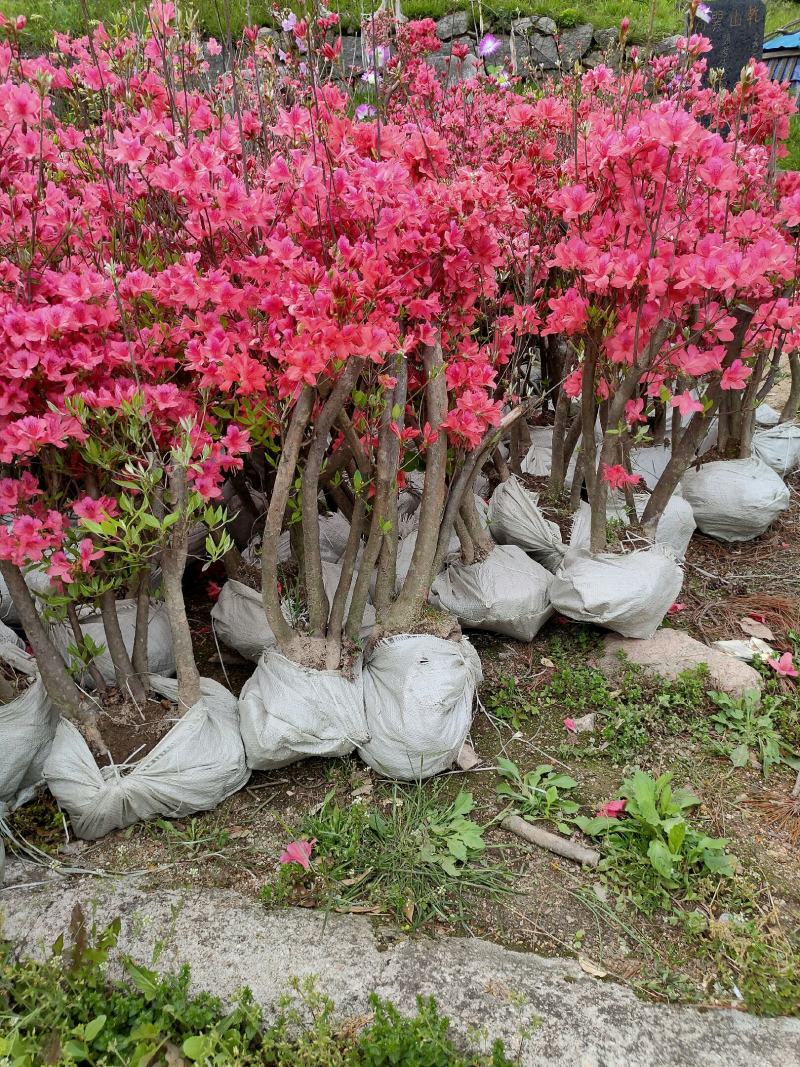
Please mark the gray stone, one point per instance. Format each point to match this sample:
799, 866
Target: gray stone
570, 1019
538, 51
669, 652
575, 43
464, 70
594, 59
452, 25
351, 52
534, 24
606, 38
666, 46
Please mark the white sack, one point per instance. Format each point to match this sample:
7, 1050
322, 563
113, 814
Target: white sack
252, 553
27, 726
418, 694
334, 530
288, 712
766, 415
193, 768
735, 499
507, 593
160, 654
626, 592
538, 460
239, 621
649, 463
405, 551
516, 519
675, 527
779, 447
36, 580
331, 573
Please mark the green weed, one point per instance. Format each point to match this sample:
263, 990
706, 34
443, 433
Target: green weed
654, 852
539, 794
419, 860
748, 730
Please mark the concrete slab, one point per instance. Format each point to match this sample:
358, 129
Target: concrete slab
556, 1013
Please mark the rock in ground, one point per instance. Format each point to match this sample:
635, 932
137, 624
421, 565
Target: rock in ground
454, 25
669, 652
549, 1009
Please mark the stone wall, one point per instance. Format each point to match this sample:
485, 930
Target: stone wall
535, 47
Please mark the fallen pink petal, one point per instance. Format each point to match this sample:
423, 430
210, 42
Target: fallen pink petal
784, 666
299, 852
569, 724
612, 809
673, 609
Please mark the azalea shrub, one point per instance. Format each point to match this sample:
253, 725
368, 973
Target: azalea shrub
251, 284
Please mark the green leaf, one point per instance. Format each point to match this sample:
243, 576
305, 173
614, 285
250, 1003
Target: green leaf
463, 804
93, 1028
661, 859
676, 835
739, 755
719, 863
644, 794
145, 981
76, 1049
195, 1047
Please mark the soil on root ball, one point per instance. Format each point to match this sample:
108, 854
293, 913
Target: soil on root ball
132, 732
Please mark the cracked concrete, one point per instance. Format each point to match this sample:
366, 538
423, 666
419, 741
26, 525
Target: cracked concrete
229, 942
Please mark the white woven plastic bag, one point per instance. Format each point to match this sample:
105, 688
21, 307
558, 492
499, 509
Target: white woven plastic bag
507, 593
766, 415
198, 764
334, 530
239, 621
675, 527
779, 447
27, 726
418, 696
288, 712
629, 593
735, 499
160, 654
515, 518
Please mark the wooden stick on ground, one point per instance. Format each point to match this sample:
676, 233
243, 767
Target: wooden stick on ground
552, 842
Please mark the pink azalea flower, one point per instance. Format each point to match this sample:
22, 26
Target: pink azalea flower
686, 403
612, 809
298, 852
735, 376
213, 47
569, 726
784, 666
617, 477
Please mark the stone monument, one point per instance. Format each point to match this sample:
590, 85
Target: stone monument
736, 31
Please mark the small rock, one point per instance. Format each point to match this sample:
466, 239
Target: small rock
667, 45
73, 848
585, 724
467, 757
600, 892
669, 652
605, 39
575, 43
594, 59
538, 51
536, 24
454, 25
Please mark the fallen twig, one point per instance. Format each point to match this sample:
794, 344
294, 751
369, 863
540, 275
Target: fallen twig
552, 842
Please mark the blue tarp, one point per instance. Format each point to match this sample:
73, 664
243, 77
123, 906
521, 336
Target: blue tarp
785, 41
